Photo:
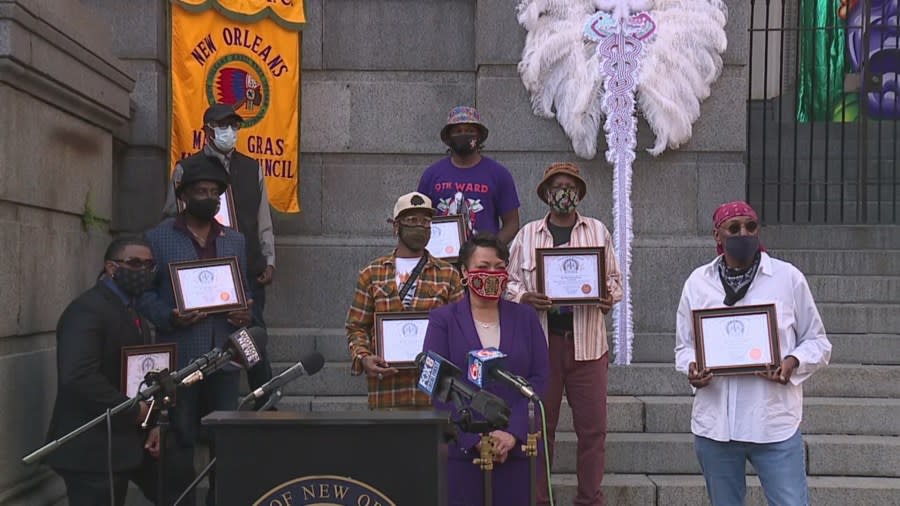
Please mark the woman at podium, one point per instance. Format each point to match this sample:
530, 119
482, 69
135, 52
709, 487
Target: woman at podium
482, 319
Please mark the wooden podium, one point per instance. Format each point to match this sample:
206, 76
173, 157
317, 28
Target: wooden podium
278, 458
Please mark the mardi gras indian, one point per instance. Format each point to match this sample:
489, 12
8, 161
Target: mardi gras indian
588, 62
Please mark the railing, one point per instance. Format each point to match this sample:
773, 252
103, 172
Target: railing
823, 111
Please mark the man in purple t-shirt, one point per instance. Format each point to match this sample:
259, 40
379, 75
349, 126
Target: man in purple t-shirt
467, 183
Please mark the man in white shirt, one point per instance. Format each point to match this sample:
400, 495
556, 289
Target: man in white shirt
751, 417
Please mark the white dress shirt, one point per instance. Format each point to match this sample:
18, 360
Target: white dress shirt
749, 408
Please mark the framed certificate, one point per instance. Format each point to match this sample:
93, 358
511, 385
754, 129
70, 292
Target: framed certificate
399, 337
226, 214
210, 286
572, 276
736, 340
448, 233
137, 361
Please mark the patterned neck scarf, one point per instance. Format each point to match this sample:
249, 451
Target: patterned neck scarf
736, 282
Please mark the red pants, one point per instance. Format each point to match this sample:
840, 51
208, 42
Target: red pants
585, 385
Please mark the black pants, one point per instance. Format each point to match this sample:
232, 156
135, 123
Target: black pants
92, 488
259, 375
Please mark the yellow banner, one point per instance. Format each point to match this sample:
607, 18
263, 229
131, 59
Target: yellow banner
254, 66
288, 13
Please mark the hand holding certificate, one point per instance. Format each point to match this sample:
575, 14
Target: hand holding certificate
448, 234
736, 340
572, 275
208, 286
399, 336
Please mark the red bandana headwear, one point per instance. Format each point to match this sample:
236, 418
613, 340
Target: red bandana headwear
731, 210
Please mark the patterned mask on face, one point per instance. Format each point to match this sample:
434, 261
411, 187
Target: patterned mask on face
487, 284
563, 200
134, 281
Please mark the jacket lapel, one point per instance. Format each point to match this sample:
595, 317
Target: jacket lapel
466, 324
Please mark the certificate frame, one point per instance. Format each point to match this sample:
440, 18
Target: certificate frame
596, 255
138, 360
452, 225
703, 341
226, 215
235, 284
383, 344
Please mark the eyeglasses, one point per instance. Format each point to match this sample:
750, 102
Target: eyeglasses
415, 221
558, 187
735, 228
137, 263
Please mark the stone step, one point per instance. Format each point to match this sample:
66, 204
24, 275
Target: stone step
883, 349
661, 453
861, 237
848, 262
855, 289
839, 380
821, 415
860, 318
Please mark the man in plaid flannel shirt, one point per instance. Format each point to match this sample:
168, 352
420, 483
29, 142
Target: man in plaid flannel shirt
378, 290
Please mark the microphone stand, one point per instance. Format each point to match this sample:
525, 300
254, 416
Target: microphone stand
485, 460
531, 450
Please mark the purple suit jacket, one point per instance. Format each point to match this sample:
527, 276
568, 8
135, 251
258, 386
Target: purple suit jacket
451, 333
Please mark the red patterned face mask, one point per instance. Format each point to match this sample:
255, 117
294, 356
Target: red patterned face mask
487, 284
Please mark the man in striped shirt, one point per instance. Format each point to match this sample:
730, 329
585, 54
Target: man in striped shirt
432, 283
576, 334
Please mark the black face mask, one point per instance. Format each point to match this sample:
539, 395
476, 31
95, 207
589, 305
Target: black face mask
464, 144
742, 247
134, 281
415, 238
203, 209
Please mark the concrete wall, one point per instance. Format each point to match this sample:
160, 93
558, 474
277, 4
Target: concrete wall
64, 95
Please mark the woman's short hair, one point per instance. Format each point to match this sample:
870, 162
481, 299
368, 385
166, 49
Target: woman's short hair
483, 240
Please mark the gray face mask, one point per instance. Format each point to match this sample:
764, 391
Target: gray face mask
415, 238
742, 247
225, 138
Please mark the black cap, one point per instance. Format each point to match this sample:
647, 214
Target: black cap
204, 168
218, 112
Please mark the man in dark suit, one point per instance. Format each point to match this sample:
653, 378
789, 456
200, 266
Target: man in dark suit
90, 336
194, 234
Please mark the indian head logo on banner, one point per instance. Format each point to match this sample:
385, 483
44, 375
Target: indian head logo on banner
245, 53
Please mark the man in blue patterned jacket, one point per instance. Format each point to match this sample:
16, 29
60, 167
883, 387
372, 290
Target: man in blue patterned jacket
194, 234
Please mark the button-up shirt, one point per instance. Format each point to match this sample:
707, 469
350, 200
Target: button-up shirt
749, 408
589, 325
377, 291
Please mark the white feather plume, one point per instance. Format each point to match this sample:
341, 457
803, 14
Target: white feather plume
560, 69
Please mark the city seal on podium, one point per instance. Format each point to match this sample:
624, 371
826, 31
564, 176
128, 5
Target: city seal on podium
324, 490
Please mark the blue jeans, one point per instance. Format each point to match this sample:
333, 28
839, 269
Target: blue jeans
781, 468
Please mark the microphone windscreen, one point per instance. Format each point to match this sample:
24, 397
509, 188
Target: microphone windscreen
260, 337
312, 362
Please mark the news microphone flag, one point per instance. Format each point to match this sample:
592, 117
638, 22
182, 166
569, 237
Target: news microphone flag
480, 362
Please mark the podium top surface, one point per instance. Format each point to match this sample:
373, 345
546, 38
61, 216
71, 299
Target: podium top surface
326, 418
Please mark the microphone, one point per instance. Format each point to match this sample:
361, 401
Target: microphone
310, 364
240, 348
487, 364
440, 378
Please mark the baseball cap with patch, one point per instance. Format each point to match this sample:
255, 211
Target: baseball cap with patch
411, 201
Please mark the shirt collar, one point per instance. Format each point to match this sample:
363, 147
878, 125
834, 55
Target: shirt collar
111, 284
216, 230
545, 223
222, 157
392, 258
765, 266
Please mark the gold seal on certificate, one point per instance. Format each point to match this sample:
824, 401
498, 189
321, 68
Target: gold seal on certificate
572, 275
210, 286
736, 340
448, 233
137, 361
399, 337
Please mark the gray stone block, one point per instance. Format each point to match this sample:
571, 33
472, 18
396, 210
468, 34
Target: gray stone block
498, 36
38, 137
723, 116
860, 318
618, 489
333, 379
669, 208
842, 380
647, 379
379, 112
289, 344
399, 35
311, 49
309, 220
29, 390
141, 182
859, 237
149, 121
138, 29
691, 489
11, 282
854, 455
634, 453
737, 31
658, 274
844, 490
855, 289
844, 263
650, 347
829, 415
717, 183
623, 414
667, 414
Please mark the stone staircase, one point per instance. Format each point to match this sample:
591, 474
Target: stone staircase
852, 408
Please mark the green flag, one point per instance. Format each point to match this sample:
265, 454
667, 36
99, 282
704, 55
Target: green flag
820, 94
